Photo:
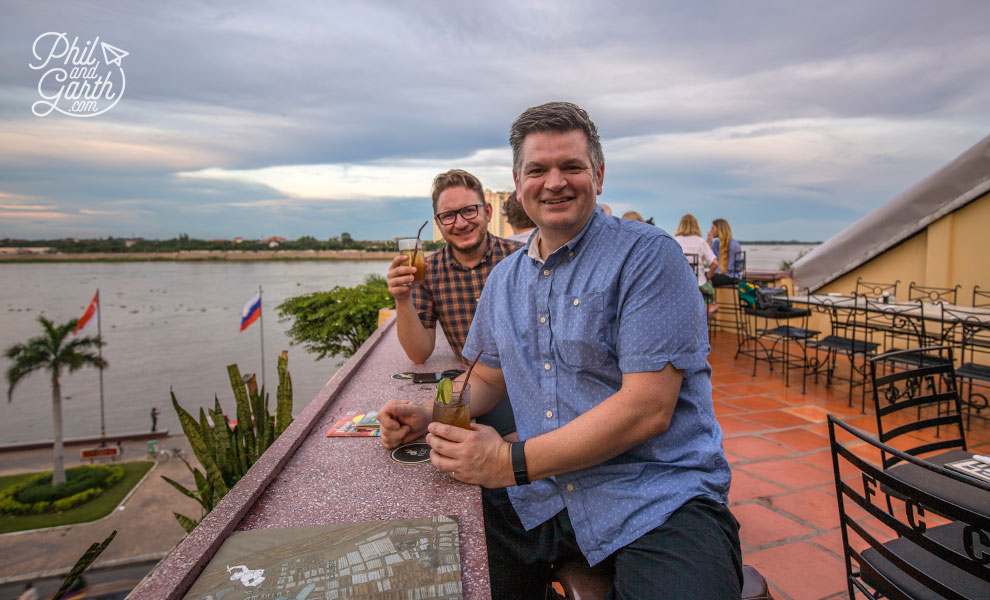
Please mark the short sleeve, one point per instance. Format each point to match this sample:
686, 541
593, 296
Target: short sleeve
661, 315
480, 337
422, 299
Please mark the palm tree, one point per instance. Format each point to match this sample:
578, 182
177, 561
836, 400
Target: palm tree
53, 353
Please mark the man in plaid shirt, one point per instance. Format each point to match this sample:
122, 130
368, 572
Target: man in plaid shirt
454, 276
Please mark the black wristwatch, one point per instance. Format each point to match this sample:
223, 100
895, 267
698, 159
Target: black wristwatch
519, 470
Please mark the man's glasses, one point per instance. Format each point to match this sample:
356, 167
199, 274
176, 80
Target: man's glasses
468, 212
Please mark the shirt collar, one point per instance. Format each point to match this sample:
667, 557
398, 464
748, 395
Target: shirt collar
449, 259
596, 221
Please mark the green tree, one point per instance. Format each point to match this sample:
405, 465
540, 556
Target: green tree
336, 322
53, 352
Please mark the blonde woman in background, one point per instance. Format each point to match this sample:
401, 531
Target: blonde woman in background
728, 251
632, 216
688, 235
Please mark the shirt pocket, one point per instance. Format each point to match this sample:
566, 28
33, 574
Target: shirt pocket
581, 330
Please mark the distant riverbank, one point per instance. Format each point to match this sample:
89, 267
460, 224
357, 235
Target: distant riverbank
201, 255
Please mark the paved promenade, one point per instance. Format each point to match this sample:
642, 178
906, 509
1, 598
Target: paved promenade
145, 526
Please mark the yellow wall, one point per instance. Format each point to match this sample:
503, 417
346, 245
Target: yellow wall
951, 251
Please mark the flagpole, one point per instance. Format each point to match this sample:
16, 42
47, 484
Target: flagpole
261, 328
99, 334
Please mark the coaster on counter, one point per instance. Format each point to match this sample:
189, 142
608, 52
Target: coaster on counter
403, 376
411, 454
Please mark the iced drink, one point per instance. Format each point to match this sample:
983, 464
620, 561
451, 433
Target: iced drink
458, 412
412, 249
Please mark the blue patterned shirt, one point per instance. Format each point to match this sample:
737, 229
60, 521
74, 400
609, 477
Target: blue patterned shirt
618, 298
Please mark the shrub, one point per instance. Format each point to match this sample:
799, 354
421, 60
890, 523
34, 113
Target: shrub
77, 479
36, 495
337, 322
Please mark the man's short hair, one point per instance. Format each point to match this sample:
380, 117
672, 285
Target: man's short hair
456, 178
559, 117
515, 215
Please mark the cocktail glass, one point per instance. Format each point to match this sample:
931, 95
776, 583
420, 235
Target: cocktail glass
412, 249
458, 412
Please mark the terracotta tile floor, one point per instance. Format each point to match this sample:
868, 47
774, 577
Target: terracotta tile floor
783, 492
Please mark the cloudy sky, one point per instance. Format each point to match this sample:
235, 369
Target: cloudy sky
790, 119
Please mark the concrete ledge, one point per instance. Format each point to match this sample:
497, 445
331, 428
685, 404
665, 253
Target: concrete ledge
179, 570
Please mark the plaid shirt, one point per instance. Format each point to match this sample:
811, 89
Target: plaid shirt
450, 291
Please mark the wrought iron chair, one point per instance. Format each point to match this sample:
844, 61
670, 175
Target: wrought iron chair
728, 319
930, 393
926, 293
898, 550
904, 326
974, 372
849, 338
778, 343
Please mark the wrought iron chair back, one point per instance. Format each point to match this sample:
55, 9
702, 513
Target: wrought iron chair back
872, 289
923, 402
927, 293
980, 297
900, 549
695, 261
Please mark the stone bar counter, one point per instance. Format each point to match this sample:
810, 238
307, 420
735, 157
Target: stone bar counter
306, 478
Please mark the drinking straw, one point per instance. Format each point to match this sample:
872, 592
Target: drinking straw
416, 247
467, 377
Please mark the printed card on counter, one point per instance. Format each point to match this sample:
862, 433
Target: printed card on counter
356, 424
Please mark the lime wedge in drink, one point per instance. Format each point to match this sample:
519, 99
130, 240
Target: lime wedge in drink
445, 390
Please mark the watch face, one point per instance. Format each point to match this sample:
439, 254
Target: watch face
411, 454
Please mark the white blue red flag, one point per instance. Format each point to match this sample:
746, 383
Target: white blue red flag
90, 317
251, 312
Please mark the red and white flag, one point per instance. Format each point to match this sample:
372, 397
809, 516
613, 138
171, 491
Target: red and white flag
90, 317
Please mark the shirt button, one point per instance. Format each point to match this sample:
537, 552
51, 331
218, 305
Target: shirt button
547, 366
546, 271
549, 414
543, 319
577, 301
570, 254
570, 487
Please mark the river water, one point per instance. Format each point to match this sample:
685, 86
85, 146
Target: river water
174, 324
166, 324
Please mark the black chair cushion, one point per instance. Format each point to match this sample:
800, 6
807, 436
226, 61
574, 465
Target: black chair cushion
974, 371
790, 333
970, 586
846, 345
954, 491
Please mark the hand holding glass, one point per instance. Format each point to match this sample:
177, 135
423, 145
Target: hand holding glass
412, 249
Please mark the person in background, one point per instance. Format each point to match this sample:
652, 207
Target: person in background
154, 418
455, 276
728, 252
606, 208
522, 225
688, 235
632, 216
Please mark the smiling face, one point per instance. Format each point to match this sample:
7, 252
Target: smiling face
464, 236
557, 184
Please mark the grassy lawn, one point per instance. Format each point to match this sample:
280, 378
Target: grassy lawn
99, 507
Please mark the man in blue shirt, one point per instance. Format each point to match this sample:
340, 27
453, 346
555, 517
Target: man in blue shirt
597, 334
